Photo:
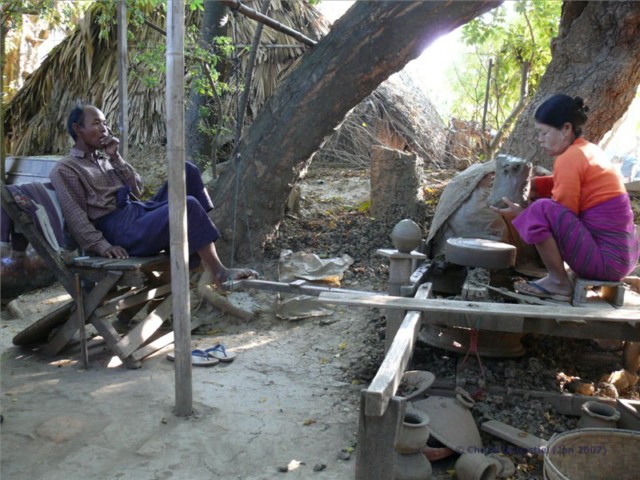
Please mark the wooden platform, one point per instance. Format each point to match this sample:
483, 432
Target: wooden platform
599, 321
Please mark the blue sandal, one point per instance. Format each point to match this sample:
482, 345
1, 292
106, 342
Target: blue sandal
219, 352
199, 358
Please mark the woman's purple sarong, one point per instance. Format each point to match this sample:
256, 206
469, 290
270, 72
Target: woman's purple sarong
600, 244
142, 228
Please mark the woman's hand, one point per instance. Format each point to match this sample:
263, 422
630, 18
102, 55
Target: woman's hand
511, 211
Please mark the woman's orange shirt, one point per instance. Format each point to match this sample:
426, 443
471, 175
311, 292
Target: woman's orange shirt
582, 178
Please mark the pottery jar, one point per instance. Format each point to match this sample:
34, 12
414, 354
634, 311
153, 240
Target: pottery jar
412, 467
475, 466
598, 415
413, 433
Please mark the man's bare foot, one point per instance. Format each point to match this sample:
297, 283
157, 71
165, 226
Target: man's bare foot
231, 274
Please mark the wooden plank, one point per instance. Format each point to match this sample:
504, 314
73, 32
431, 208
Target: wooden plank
145, 329
110, 335
161, 342
389, 375
482, 308
131, 300
633, 188
513, 435
375, 455
131, 263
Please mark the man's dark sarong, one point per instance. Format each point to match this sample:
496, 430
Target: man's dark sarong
142, 228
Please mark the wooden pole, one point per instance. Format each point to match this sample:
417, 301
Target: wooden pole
123, 84
178, 207
2, 153
270, 22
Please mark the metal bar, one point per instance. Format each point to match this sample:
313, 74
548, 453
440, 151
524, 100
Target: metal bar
297, 287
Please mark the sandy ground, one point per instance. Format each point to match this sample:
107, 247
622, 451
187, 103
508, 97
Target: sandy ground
281, 401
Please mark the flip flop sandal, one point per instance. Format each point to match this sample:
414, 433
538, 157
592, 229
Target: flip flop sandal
533, 289
219, 352
199, 358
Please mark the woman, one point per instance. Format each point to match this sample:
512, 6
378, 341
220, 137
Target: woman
587, 222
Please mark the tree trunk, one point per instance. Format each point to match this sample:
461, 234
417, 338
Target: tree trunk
596, 56
369, 43
199, 145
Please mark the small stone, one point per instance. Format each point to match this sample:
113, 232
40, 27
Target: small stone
318, 467
342, 455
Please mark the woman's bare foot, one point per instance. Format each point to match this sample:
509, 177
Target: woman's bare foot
231, 274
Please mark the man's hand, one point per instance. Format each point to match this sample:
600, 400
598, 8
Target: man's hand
116, 251
511, 211
110, 144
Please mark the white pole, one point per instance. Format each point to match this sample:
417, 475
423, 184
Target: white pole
177, 207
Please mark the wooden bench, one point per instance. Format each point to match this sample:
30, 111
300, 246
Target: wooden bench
101, 290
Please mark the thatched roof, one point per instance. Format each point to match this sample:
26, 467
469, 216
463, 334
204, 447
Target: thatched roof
84, 68
398, 115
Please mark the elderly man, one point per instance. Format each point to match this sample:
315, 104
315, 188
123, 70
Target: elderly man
98, 193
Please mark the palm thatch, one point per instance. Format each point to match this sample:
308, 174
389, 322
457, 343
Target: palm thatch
84, 68
397, 115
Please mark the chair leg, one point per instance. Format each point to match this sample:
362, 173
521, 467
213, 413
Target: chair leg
80, 321
91, 302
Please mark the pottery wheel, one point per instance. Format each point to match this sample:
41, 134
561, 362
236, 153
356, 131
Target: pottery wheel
478, 252
451, 423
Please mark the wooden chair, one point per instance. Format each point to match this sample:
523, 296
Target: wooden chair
101, 290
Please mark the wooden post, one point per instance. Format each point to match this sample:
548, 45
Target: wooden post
123, 84
178, 207
376, 455
2, 153
400, 270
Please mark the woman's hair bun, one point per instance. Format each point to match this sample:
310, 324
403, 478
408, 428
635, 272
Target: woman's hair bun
580, 106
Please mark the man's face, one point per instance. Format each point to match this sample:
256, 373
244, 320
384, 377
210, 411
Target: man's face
93, 129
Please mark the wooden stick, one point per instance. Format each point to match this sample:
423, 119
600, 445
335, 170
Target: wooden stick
214, 298
270, 22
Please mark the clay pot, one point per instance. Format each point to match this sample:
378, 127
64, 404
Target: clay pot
598, 415
413, 433
412, 467
406, 235
475, 466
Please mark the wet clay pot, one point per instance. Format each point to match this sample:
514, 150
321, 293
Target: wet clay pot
406, 235
413, 433
412, 467
598, 415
